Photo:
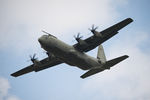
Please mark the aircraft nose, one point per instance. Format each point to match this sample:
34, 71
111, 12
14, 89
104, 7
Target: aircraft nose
40, 40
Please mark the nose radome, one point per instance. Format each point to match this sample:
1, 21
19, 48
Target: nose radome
40, 40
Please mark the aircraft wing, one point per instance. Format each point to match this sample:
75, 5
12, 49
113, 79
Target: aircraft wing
45, 63
93, 41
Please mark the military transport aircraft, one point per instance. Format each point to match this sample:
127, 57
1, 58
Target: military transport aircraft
59, 52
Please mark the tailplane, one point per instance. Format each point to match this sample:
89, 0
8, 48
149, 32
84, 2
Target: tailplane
106, 65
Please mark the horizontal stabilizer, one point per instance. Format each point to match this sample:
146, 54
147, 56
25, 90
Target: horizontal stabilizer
107, 65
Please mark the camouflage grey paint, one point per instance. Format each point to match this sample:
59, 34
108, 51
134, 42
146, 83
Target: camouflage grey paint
67, 53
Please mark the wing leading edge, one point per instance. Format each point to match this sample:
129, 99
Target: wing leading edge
93, 41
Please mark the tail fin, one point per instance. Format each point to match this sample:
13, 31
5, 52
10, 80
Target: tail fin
101, 54
107, 65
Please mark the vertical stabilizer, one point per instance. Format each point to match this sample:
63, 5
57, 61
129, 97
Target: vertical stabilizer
101, 55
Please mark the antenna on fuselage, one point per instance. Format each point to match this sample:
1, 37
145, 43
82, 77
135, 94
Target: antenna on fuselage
46, 32
49, 34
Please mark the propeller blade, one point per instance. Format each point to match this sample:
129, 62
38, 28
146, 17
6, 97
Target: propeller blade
32, 58
93, 28
46, 32
77, 37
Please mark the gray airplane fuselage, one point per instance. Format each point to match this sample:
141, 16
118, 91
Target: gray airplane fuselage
67, 53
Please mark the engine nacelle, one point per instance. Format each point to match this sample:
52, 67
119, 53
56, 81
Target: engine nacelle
36, 63
97, 34
82, 42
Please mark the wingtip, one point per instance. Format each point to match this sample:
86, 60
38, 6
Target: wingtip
126, 56
130, 19
82, 77
13, 75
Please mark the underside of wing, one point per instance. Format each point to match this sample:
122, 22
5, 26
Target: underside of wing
45, 63
94, 41
23, 71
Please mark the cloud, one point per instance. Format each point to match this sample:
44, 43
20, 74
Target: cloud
13, 98
4, 90
4, 86
129, 80
22, 21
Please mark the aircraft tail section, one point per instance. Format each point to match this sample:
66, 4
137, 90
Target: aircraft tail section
101, 54
105, 66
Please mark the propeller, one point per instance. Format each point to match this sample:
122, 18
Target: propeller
93, 29
78, 37
32, 58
